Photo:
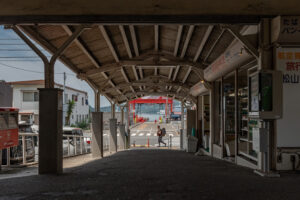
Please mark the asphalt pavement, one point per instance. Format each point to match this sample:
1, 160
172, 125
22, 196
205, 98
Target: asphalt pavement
154, 174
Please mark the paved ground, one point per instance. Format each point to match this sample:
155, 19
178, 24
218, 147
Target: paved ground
153, 174
148, 130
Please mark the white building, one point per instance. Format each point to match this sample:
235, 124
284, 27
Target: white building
26, 98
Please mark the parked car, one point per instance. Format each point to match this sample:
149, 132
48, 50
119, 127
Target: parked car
69, 140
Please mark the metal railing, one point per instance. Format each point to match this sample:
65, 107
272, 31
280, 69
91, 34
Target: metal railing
27, 150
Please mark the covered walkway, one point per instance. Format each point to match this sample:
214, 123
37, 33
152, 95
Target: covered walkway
153, 174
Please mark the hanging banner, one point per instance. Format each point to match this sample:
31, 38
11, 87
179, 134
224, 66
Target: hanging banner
234, 56
286, 29
288, 61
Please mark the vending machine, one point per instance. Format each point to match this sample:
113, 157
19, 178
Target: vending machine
9, 131
265, 106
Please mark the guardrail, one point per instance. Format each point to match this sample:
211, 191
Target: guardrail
74, 145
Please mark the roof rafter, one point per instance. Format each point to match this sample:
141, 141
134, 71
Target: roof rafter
108, 42
187, 40
156, 37
125, 40
203, 42
180, 28
134, 40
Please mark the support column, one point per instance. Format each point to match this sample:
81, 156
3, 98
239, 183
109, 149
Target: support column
127, 126
222, 132
97, 134
50, 132
122, 137
122, 115
211, 117
182, 125
236, 113
113, 110
50, 108
113, 135
266, 161
97, 101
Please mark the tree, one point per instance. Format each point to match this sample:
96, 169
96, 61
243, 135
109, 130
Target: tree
71, 105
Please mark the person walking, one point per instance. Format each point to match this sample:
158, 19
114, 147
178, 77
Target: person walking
160, 136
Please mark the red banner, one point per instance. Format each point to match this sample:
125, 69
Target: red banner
9, 138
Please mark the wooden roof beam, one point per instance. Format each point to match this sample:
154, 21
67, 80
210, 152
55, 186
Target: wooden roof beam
203, 42
125, 40
156, 37
134, 40
187, 40
108, 42
179, 33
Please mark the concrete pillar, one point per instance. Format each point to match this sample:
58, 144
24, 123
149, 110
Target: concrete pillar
127, 126
50, 132
97, 134
113, 135
122, 136
122, 115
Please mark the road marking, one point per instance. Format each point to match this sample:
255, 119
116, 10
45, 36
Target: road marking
141, 134
134, 134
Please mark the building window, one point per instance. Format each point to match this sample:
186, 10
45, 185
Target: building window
82, 101
74, 97
66, 98
30, 96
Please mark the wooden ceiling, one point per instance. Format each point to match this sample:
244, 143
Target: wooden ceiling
125, 62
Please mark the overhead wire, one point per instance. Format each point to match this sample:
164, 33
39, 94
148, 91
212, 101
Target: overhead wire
32, 71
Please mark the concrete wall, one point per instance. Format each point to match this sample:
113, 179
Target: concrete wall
5, 95
80, 112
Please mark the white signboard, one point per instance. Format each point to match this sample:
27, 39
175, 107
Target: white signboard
288, 128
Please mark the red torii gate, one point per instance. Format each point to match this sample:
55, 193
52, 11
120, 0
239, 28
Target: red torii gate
151, 100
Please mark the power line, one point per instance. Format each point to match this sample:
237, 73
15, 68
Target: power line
32, 71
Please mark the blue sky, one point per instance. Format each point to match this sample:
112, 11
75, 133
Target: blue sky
18, 62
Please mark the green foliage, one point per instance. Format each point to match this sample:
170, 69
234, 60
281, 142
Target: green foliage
83, 125
71, 105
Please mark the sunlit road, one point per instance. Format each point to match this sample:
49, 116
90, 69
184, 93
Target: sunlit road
148, 131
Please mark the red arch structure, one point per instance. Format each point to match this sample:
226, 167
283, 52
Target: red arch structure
151, 100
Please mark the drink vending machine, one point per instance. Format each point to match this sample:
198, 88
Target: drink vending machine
9, 131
